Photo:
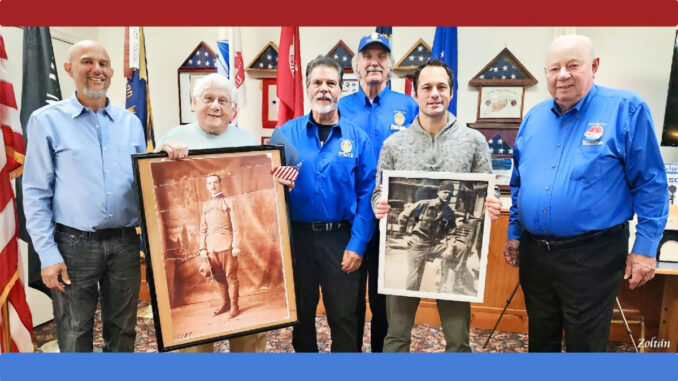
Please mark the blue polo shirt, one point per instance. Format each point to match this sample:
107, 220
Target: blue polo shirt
589, 169
336, 180
389, 113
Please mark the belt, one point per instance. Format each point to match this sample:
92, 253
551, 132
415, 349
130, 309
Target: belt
325, 226
99, 235
555, 243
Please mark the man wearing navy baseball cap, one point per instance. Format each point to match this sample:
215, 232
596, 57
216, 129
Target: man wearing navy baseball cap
380, 112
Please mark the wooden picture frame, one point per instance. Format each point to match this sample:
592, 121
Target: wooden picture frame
500, 103
265, 140
186, 292
451, 266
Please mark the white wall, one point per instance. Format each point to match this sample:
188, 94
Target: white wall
637, 59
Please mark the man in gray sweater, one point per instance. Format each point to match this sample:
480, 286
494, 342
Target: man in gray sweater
434, 142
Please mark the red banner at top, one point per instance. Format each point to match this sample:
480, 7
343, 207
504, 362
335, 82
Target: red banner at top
307, 13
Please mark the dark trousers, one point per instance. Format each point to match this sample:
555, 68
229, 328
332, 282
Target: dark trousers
369, 275
225, 269
317, 263
573, 289
109, 267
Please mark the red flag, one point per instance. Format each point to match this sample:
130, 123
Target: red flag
289, 88
16, 323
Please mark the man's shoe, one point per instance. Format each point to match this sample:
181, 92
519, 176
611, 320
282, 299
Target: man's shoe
221, 310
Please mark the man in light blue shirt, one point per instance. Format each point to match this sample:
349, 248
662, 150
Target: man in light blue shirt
380, 112
330, 205
584, 163
81, 206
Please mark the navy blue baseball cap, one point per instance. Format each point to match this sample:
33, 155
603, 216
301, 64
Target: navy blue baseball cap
374, 38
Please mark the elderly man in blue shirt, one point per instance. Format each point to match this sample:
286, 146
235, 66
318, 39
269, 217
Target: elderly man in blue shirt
81, 206
331, 213
380, 112
584, 163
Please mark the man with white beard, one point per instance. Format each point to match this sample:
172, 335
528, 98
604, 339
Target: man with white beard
331, 213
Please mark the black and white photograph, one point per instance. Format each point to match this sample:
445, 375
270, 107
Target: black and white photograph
219, 245
434, 240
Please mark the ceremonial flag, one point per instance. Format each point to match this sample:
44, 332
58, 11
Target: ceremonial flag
16, 323
289, 84
445, 49
223, 54
230, 62
138, 99
40, 88
237, 65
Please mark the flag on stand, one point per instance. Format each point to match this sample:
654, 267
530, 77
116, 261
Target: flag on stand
40, 88
289, 84
230, 62
445, 49
16, 323
138, 97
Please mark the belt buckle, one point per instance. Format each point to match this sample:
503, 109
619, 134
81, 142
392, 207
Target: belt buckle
545, 243
317, 226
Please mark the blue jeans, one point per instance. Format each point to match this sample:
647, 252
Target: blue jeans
110, 267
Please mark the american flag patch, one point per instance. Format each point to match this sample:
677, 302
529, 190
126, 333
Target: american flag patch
287, 172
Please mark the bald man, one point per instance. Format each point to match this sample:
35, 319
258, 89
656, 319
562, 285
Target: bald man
81, 208
584, 163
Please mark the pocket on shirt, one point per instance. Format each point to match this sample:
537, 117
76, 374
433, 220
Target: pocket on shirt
343, 170
589, 164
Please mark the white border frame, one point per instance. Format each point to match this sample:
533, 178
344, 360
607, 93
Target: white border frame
478, 298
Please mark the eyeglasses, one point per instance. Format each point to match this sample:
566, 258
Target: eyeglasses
208, 100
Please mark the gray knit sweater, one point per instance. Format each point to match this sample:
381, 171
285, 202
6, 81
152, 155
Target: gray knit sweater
456, 148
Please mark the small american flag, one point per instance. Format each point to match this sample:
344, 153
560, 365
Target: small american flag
287, 172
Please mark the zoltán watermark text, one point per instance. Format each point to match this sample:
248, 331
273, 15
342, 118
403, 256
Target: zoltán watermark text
654, 343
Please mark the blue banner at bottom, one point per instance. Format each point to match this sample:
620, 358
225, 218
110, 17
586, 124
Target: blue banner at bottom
344, 367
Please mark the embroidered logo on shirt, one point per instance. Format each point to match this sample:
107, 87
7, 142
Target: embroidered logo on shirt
399, 120
593, 134
346, 148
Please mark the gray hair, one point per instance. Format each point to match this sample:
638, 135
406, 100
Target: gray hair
324, 61
215, 81
578, 37
357, 56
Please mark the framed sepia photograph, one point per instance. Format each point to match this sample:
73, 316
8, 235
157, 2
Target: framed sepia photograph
217, 243
434, 240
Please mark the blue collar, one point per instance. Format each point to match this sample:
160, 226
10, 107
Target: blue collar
580, 105
377, 99
77, 108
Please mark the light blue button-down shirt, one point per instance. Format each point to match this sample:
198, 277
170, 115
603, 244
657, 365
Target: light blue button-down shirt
78, 171
589, 169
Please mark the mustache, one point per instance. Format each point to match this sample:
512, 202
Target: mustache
377, 69
323, 96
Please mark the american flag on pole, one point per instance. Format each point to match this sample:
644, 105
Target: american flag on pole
16, 323
287, 172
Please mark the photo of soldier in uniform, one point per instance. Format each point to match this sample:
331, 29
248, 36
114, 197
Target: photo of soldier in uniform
221, 249
434, 239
